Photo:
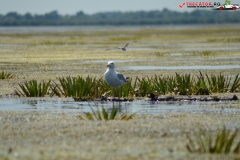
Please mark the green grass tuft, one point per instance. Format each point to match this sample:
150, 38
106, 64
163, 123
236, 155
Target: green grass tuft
222, 142
4, 75
33, 89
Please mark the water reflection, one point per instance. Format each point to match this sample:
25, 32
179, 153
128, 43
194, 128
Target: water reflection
141, 107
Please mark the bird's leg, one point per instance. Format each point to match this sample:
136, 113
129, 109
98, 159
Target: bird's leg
112, 93
119, 89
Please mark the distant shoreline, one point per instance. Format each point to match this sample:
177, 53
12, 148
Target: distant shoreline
155, 17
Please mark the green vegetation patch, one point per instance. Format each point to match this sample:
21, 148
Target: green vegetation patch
33, 88
4, 75
88, 88
124, 38
223, 142
102, 114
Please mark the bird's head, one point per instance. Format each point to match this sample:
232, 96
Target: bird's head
110, 64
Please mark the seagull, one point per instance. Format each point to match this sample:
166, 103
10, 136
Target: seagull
124, 48
114, 79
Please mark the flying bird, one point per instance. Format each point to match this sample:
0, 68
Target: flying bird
114, 79
122, 48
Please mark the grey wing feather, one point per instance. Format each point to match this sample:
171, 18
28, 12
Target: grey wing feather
113, 48
121, 77
129, 43
126, 45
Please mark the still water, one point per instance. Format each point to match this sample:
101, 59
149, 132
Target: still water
141, 106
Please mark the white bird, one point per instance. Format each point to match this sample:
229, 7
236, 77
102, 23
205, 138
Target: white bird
122, 48
114, 79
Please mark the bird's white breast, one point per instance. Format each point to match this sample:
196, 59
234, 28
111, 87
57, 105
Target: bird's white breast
112, 79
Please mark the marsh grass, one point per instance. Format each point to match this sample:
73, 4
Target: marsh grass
223, 40
183, 84
218, 83
128, 90
76, 87
88, 88
48, 42
201, 87
33, 89
159, 54
102, 114
124, 38
235, 85
222, 142
144, 86
160, 85
4, 75
204, 53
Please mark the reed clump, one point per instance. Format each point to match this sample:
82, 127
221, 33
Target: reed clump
33, 88
91, 88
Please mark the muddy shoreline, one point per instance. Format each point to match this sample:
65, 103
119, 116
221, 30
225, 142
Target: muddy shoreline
39, 135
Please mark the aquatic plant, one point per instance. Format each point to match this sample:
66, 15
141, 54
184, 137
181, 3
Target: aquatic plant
144, 86
160, 84
104, 115
204, 53
159, 54
53, 43
91, 88
200, 86
33, 89
124, 38
102, 88
218, 83
4, 75
223, 142
207, 53
76, 87
183, 84
224, 40
127, 90
235, 85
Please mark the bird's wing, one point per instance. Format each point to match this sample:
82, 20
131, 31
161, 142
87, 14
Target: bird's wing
121, 77
113, 48
128, 44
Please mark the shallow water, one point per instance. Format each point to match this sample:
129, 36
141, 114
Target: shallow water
36, 29
141, 106
204, 67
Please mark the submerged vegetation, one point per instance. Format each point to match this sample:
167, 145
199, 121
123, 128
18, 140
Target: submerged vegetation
104, 115
91, 88
222, 142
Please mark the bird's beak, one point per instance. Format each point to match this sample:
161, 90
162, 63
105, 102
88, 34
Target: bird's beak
107, 65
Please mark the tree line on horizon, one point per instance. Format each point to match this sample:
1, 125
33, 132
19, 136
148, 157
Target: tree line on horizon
122, 18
